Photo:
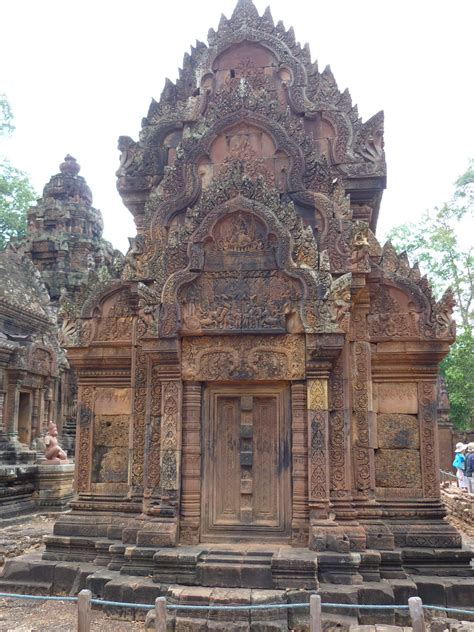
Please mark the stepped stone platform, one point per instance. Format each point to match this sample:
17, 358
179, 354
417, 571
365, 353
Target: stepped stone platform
250, 574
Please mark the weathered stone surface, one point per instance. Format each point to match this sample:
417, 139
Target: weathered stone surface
396, 398
397, 468
262, 373
398, 431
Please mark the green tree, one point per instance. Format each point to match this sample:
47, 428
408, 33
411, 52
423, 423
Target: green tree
436, 242
16, 191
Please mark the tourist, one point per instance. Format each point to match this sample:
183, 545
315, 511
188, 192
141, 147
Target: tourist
469, 471
459, 464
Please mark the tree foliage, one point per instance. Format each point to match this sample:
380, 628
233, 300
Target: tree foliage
16, 191
441, 242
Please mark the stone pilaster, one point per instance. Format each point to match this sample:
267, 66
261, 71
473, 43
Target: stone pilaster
318, 479
427, 413
191, 464
84, 438
299, 434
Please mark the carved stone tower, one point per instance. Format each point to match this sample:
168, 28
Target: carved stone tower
64, 234
265, 372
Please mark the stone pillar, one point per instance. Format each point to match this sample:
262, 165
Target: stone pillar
299, 434
2, 411
35, 418
339, 438
84, 437
137, 449
318, 479
170, 452
13, 402
152, 499
427, 413
191, 464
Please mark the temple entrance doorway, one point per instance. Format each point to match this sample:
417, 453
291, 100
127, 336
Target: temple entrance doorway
24, 418
246, 474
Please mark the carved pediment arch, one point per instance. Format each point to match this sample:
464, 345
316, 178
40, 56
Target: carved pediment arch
240, 276
108, 299
401, 309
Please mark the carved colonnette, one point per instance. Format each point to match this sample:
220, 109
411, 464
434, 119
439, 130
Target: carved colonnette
318, 416
191, 464
299, 434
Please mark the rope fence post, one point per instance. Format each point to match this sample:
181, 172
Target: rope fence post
415, 606
160, 614
316, 624
84, 611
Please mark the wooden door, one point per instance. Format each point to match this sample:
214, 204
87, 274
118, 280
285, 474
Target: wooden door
246, 472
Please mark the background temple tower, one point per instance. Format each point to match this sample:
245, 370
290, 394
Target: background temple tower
64, 234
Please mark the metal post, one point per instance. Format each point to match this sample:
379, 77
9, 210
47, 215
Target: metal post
415, 606
316, 623
84, 611
160, 614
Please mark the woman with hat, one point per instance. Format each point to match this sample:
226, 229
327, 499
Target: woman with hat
459, 464
469, 471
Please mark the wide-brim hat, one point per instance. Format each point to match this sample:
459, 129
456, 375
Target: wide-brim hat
460, 447
470, 446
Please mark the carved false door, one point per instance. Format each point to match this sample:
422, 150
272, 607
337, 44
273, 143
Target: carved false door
246, 474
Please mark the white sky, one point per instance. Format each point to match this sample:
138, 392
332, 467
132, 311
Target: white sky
80, 74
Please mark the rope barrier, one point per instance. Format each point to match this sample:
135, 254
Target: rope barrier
283, 606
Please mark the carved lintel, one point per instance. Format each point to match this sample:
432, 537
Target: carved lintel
249, 357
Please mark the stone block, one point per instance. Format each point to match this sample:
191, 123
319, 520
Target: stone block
460, 594
271, 620
431, 590
347, 595
398, 431
158, 534
370, 566
403, 589
397, 468
376, 593
396, 397
338, 568
229, 619
379, 536
294, 568
54, 486
298, 618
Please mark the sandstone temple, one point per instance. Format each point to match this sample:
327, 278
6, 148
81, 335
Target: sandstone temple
257, 402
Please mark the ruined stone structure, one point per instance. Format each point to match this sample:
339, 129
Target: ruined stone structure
257, 395
64, 235
45, 275
33, 371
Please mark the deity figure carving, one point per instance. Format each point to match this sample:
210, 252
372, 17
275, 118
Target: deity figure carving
53, 453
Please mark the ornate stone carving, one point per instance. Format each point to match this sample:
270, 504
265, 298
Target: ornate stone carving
86, 397
250, 357
318, 457
317, 395
428, 430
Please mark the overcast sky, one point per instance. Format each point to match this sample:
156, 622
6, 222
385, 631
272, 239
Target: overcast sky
80, 74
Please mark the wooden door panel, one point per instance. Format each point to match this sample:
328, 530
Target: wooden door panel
246, 486
265, 461
226, 461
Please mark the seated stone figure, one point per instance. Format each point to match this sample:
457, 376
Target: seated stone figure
53, 453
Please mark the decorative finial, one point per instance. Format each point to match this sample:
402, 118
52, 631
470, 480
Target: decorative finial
70, 166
